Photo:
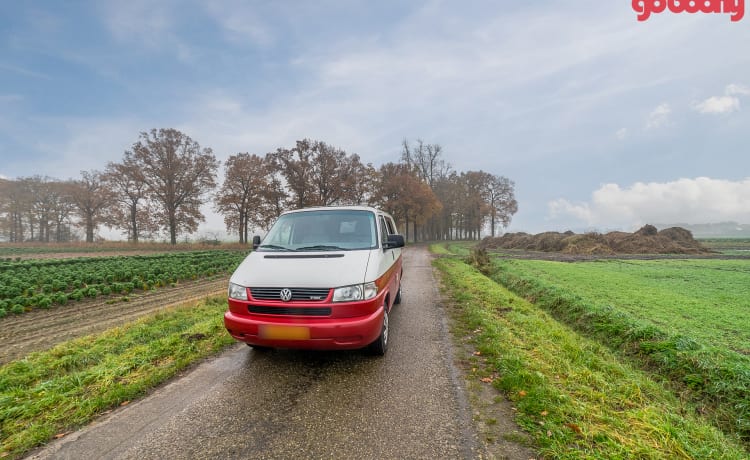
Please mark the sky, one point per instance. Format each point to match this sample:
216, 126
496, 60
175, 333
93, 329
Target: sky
602, 121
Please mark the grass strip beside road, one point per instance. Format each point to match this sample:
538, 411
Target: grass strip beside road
573, 395
715, 379
51, 393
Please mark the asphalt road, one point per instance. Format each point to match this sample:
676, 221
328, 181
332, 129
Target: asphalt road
293, 404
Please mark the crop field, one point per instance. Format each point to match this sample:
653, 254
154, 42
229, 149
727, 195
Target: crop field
42, 283
35, 250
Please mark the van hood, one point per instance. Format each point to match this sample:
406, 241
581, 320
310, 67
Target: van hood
326, 269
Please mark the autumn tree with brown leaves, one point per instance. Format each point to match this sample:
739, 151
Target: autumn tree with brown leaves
500, 197
91, 198
178, 173
317, 174
131, 210
401, 193
249, 194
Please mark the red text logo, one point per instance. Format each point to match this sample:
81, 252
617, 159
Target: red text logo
644, 8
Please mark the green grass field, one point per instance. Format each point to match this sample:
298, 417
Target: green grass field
575, 396
685, 321
707, 300
728, 246
57, 391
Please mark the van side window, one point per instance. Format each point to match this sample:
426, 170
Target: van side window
383, 230
391, 226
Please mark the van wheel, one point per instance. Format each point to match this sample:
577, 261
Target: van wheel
397, 299
380, 345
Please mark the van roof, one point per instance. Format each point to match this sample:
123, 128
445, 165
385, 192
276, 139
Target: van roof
336, 208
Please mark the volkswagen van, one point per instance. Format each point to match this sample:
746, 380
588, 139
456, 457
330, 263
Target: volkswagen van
323, 278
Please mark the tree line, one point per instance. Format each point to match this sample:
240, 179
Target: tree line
163, 180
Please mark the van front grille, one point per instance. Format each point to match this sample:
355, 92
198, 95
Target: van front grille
298, 294
291, 311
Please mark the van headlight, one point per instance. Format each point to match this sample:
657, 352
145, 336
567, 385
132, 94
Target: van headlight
237, 292
355, 292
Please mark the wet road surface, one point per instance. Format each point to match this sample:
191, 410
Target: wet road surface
301, 404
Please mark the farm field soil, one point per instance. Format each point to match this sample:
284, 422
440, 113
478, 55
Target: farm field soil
41, 329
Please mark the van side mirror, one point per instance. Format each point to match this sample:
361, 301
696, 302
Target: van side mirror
256, 242
394, 241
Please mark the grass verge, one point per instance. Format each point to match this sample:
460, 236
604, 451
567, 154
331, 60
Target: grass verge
572, 394
457, 248
49, 394
716, 380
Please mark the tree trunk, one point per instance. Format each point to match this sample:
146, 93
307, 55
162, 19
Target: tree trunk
134, 223
172, 228
89, 229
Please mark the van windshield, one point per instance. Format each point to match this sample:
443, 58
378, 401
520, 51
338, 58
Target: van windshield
322, 230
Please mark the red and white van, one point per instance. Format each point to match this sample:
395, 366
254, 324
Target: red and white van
323, 278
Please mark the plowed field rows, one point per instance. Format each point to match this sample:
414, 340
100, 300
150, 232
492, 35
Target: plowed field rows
41, 329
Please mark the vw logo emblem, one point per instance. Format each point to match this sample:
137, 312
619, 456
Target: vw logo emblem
286, 295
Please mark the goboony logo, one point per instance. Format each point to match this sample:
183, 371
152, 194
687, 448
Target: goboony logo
644, 8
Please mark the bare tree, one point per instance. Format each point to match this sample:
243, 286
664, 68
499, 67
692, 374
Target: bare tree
131, 210
47, 197
178, 174
427, 159
91, 198
13, 204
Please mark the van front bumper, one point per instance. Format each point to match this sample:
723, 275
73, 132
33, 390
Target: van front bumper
326, 333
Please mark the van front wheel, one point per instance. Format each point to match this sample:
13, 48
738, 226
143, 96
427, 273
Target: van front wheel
380, 345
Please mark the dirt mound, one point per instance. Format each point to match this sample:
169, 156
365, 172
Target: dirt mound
647, 240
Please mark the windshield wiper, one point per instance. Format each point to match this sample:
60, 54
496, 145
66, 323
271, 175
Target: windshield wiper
321, 247
273, 246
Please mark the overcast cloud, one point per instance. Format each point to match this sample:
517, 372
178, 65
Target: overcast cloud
685, 201
559, 96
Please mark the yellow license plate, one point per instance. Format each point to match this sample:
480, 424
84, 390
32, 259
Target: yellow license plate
284, 332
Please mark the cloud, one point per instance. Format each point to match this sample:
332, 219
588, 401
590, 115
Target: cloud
24, 71
659, 116
690, 201
723, 104
241, 23
621, 134
149, 26
733, 89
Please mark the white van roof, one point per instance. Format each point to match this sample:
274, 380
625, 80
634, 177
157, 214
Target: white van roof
337, 208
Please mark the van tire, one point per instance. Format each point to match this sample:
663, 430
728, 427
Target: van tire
397, 299
380, 345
